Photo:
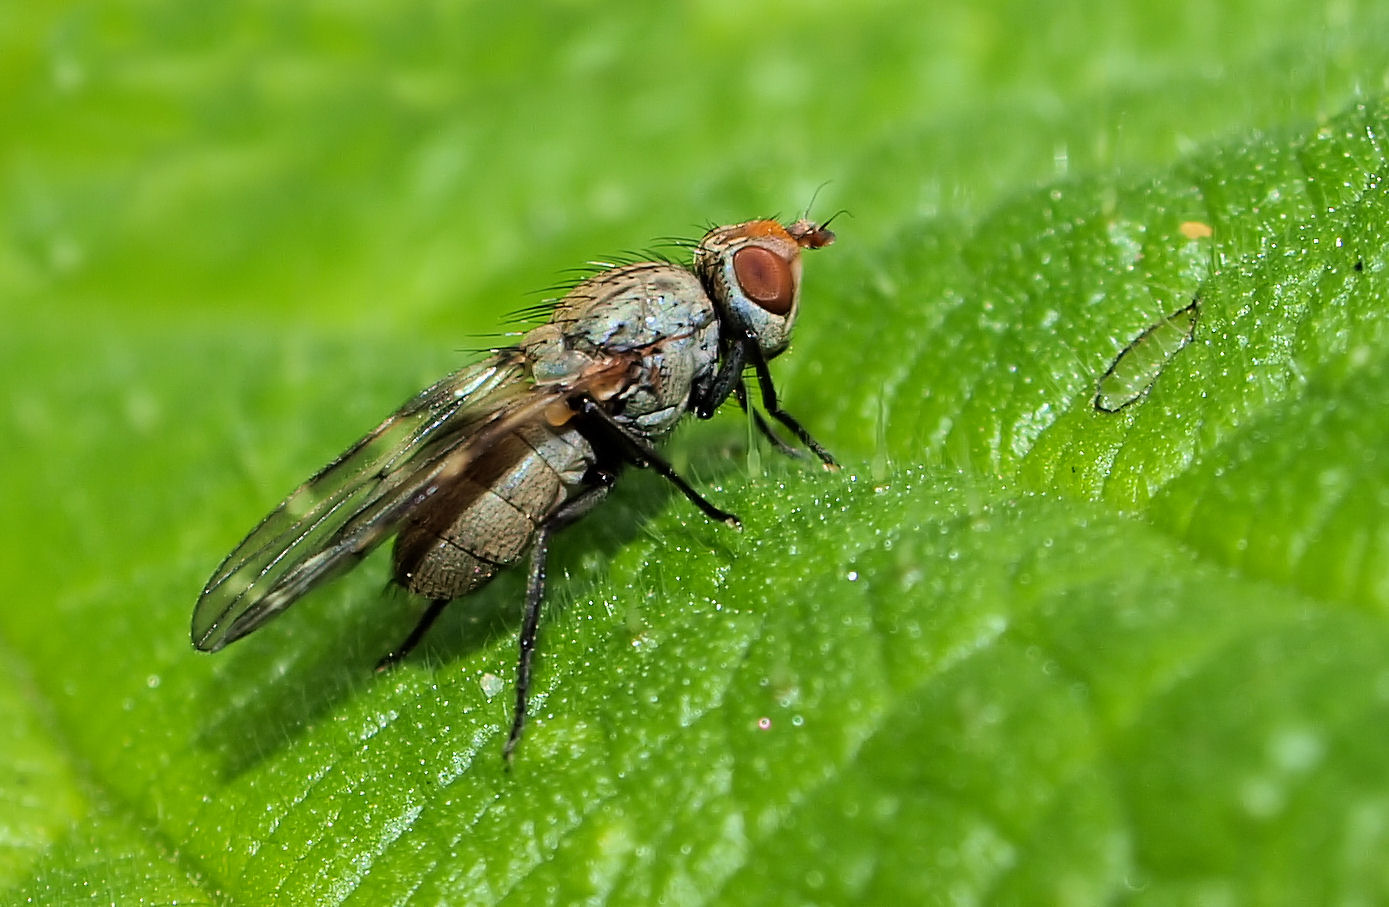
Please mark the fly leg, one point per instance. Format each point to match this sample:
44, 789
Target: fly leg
729, 380
769, 403
740, 391
397, 655
710, 393
535, 595
643, 455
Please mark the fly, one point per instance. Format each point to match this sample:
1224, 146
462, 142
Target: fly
491, 461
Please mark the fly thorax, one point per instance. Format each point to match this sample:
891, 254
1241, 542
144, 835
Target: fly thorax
662, 380
650, 329
552, 361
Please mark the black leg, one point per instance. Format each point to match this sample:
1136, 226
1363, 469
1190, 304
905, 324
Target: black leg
708, 397
741, 393
644, 455
530, 624
397, 655
769, 403
535, 596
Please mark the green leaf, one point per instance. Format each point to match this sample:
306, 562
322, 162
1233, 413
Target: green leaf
1020, 649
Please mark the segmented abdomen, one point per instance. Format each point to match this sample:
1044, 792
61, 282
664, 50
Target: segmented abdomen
486, 520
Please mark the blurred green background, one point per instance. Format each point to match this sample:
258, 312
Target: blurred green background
235, 235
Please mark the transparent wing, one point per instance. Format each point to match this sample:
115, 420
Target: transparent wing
360, 499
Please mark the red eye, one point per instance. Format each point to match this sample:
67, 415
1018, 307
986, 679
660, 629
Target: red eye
765, 277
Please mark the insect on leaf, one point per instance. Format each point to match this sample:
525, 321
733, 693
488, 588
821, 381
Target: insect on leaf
1138, 365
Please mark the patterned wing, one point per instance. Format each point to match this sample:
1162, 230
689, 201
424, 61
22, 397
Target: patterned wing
360, 499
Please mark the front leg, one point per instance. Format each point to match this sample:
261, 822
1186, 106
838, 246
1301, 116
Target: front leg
769, 403
706, 399
740, 392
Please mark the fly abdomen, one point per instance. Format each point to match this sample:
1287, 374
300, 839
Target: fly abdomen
486, 520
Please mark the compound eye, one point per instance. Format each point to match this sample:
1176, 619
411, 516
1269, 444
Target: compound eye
765, 277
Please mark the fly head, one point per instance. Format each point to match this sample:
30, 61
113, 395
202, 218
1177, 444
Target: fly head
752, 271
